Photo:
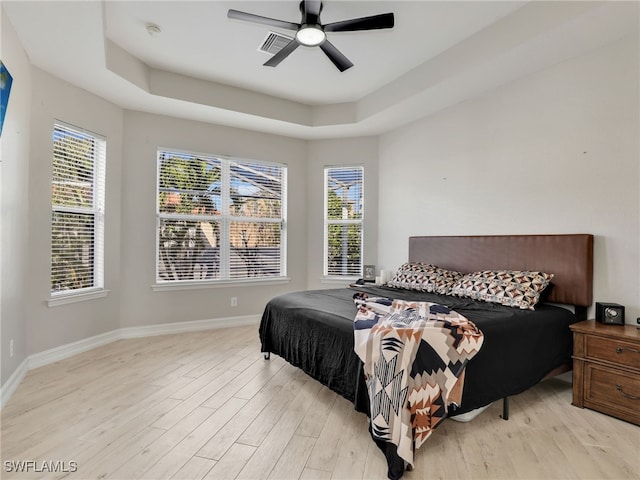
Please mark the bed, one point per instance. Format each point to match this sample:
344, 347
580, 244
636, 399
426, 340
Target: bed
313, 330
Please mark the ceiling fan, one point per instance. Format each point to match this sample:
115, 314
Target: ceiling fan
310, 32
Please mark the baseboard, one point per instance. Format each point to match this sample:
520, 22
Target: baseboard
65, 351
70, 349
11, 385
565, 377
192, 326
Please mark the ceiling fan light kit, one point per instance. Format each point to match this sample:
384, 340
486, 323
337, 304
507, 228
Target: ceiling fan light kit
310, 35
310, 32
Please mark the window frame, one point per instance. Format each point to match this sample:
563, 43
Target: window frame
327, 222
225, 218
96, 210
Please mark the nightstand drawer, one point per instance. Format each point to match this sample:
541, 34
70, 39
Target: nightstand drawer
613, 350
612, 391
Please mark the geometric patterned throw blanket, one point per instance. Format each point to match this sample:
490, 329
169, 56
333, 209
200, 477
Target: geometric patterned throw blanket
414, 356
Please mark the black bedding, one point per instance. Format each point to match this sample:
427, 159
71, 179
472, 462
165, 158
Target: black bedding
313, 330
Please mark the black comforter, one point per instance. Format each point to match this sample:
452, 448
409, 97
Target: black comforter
313, 330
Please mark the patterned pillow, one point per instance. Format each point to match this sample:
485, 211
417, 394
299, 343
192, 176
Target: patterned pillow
512, 288
405, 277
425, 278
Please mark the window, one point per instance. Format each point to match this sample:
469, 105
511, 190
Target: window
343, 217
77, 217
219, 219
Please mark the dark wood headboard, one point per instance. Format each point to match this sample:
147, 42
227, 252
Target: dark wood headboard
569, 257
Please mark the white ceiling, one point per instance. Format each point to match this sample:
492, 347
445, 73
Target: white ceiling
207, 67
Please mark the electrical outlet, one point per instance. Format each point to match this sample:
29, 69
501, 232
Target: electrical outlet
234, 301
638, 320
11, 352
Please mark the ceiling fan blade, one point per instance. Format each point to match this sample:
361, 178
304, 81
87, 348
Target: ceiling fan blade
311, 11
374, 22
338, 59
282, 54
250, 17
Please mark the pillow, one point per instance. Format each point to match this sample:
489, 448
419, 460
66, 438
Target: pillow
512, 288
424, 277
406, 277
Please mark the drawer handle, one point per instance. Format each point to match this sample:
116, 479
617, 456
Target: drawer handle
622, 349
626, 395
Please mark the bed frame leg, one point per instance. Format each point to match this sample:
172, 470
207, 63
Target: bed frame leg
505, 408
267, 355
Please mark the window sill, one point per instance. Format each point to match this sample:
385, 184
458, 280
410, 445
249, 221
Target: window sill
338, 280
173, 286
65, 299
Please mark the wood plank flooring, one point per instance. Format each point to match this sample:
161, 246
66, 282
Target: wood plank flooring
206, 405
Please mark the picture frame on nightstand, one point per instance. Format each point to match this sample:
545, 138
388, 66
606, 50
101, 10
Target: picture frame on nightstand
369, 273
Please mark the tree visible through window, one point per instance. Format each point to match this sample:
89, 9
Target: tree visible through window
219, 218
77, 219
344, 215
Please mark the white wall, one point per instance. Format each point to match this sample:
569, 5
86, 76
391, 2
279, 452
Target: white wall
556, 152
49, 327
362, 151
144, 133
132, 142
14, 201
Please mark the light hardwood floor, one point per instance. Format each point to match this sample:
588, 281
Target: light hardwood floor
207, 405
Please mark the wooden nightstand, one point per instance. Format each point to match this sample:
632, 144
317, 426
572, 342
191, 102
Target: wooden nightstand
606, 369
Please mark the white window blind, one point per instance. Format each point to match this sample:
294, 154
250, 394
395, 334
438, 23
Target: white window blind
343, 220
77, 200
219, 218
